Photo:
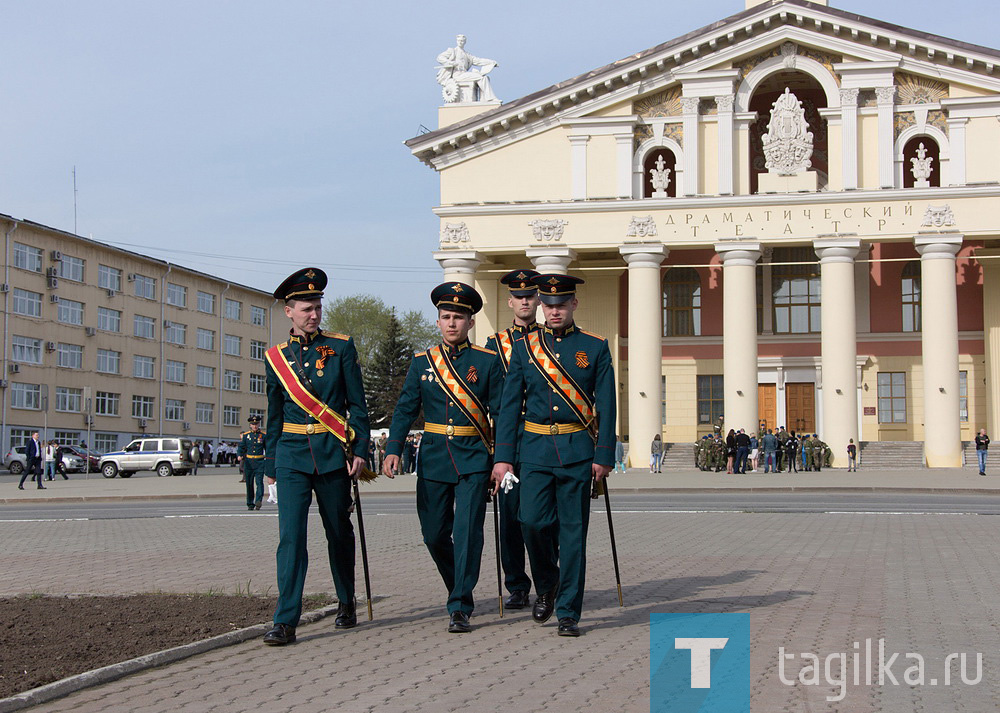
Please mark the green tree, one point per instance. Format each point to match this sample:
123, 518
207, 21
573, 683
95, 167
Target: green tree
420, 332
386, 373
365, 317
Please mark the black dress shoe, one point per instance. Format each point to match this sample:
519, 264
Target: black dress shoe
568, 627
256, 506
249, 507
347, 616
544, 604
459, 623
517, 600
279, 635
21, 487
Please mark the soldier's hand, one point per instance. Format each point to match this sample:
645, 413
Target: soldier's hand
599, 471
355, 466
390, 466
270, 481
496, 477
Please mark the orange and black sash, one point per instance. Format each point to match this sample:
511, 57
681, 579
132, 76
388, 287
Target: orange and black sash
505, 347
460, 394
309, 403
562, 383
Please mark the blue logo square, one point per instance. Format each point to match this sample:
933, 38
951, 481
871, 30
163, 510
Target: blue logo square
699, 663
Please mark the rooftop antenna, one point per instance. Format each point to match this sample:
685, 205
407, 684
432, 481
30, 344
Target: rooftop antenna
74, 201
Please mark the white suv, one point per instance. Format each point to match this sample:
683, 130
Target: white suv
167, 456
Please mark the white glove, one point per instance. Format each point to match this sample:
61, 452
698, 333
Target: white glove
508, 482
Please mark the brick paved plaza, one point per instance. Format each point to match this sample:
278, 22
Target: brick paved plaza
816, 583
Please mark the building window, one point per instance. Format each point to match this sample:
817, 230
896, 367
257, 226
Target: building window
107, 403
204, 412
145, 327
110, 278
177, 295
257, 349
911, 297
26, 350
232, 344
71, 268
682, 302
145, 286
68, 400
231, 380
70, 311
66, 438
70, 356
110, 320
891, 397
206, 376
142, 406
710, 398
230, 415
109, 361
173, 410
795, 291
175, 332
27, 257
259, 412
27, 303
143, 366
27, 396
258, 316
234, 310
105, 442
206, 339
963, 396
256, 383
206, 302
175, 371
19, 437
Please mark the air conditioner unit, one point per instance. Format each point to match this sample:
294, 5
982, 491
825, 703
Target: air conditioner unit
90, 331
131, 277
5, 287
52, 282
3, 383
52, 272
187, 426
54, 299
55, 255
142, 423
50, 346
14, 368
88, 420
111, 292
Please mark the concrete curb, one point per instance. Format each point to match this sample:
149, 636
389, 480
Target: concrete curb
169, 496
107, 674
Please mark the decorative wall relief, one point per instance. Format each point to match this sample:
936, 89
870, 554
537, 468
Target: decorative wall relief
548, 230
938, 216
455, 233
641, 227
788, 144
912, 89
665, 103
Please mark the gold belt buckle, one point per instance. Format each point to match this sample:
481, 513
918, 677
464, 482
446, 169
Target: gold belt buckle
310, 428
554, 429
449, 430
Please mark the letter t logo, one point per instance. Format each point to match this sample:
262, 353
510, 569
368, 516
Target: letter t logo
701, 658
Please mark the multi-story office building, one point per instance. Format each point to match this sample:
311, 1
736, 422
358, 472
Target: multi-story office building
103, 344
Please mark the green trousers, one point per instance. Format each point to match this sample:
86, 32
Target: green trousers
515, 579
253, 473
333, 495
555, 514
451, 522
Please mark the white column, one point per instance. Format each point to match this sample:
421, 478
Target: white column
578, 153
849, 137
645, 332
739, 339
555, 259
839, 344
939, 341
727, 156
689, 106
991, 337
459, 265
623, 153
957, 159
886, 135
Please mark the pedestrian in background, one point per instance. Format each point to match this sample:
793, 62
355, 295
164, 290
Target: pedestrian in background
620, 455
852, 457
51, 452
655, 454
982, 446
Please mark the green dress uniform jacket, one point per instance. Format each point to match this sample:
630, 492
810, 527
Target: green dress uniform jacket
251, 444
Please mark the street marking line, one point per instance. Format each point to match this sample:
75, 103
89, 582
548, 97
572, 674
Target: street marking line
54, 519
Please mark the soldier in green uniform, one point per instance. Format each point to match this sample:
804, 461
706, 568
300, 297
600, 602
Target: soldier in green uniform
305, 454
458, 385
563, 379
523, 302
808, 446
697, 452
250, 453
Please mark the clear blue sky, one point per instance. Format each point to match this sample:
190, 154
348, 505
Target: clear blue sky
242, 137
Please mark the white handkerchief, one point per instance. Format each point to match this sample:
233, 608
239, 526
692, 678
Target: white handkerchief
508, 482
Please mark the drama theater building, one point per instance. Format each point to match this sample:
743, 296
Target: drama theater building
789, 217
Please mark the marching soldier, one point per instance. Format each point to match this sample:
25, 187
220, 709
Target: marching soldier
313, 380
563, 378
458, 385
523, 301
250, 453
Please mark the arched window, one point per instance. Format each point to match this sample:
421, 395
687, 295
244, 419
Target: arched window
910, 289
652, 163
912, 151
682, 303
795, 291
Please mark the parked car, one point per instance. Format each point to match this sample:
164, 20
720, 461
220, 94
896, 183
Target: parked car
93, 456
15, 461
167, 456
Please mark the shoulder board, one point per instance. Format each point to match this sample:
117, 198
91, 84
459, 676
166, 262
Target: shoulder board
335, 335
282, 345
419, 354
484, 349
244, 433
591, 334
